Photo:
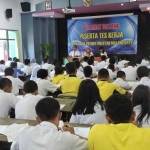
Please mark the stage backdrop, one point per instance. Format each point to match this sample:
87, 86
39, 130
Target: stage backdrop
117, 35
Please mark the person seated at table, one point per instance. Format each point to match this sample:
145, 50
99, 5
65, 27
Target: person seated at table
143, 75
74, 52
88, 72
7, 99
17, 84
87, 52
44, 85
88, 108
141, 103
59, 75
121, 132
121, 80
70, 85
47, 135
25, 108
106, 87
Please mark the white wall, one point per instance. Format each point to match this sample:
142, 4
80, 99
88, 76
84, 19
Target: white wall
15, 22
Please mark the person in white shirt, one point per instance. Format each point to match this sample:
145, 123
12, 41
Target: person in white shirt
74, 52
47, 135
88, 108
112, 71
45, 87
84, 62
141, 103
87, 52
121, 80
27, 68
7, 99
7, 63
130, 71
143, 75
47, 66
35, 69
101, 64
79, 69
25, 108
2, 66
17, 84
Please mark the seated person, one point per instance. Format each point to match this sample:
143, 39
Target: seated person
47, 65
107, 88
112, 71
121, 80
74, 52
46, 135
17, 84
59, 75
88, 72
88, 108
87, 52
79, 69
84, 62
7, 99
27, 69
143, 75
70, 85
141, 103
25, 108
44, 85
121, 133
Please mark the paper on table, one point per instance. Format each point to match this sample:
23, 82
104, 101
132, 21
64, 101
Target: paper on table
82, 131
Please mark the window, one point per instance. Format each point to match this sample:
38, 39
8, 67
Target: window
8, 44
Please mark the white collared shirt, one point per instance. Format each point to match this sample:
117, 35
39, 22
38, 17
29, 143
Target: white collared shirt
124, 84
16, 84
145, 81
100, 65
27, 70
97, 117
48, 67
46, 136
75, 53
7, 101
25, 108
45, 86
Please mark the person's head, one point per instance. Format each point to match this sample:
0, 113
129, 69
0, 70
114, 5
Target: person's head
87, 71
85, 59
6, 85
10, 59
142, 71
77, 63
2, 62
91, 60
42, 74
112, 60
27, 62
88, 96
103, 74
71, 68
30, 87
141, 96
13, 65
75, 47
14, 59
59, 70
103, 58
111, 67
9, 71
17, 60
119, 109
48, 109
121, 74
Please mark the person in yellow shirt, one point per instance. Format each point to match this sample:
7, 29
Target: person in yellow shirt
121, 133
106, 87
59, 75
70, 85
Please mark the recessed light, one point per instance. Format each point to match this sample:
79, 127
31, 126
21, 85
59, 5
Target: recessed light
122, 4
148, 8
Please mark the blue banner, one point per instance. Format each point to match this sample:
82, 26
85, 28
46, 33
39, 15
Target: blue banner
117, 35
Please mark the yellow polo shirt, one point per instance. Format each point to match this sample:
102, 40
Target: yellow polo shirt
106, 89
70, 85
119, 137
58, 78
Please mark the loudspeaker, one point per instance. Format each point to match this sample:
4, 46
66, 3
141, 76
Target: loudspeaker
8, 13
26, 6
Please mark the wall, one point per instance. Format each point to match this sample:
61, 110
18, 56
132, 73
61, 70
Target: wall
15, 22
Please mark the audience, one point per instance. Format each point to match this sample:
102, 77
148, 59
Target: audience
88, 108
121, 132
25, 108
46, 135
87, 72
27, 67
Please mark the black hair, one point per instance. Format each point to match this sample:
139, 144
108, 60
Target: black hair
85, 58
88, 96
47, 108
30, 87
70, 68
91, 60
103, 58
13, 64
10, 58
27, 61
9, 71
42, 74
112, 60
59, 70
45, 60
142, 71
103, 73
14, 59
121, 74
119, 108
77, 63
2, 62
5, 82
111, 67
141, 96
87, 71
